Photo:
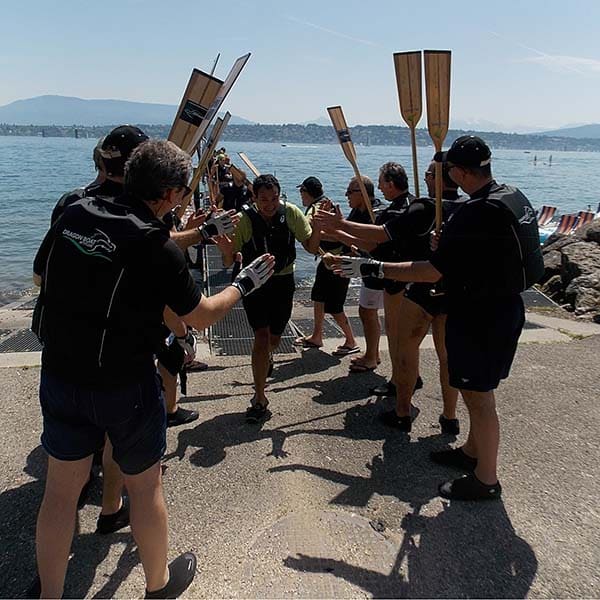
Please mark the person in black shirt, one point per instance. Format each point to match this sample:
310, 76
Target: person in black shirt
487, 254
110, 275
329, 292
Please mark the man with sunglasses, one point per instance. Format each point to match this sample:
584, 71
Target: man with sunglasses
488, 253
110, 275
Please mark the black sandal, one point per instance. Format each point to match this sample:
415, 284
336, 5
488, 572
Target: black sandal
468, 487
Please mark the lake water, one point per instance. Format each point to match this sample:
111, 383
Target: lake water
35, 172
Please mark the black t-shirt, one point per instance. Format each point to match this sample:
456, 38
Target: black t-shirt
477, 252
109, 269
106, 189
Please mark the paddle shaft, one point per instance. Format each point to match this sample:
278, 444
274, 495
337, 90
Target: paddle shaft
413, 143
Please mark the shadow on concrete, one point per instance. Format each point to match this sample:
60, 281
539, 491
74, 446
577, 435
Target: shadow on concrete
18, 515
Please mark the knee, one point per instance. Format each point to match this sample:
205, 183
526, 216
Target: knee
261, 338
274, 340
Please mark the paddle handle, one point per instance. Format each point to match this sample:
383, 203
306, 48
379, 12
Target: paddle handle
438, 194
193, 185
413, 143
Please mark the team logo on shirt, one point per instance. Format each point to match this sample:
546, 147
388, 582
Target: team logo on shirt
528, 216
97, 244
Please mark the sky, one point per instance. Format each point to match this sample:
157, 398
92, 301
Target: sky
522, 65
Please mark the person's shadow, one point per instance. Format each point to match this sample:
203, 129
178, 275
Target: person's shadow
18, 515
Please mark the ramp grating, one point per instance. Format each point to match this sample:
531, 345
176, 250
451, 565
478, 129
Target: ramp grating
22, 341
330, 329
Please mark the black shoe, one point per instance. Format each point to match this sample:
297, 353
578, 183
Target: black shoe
181, 416
258, 413
454, 457
110, 523
391, 419
389, 388
468, 487
449, 426
181, 574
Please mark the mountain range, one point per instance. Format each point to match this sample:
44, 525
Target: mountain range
68, 110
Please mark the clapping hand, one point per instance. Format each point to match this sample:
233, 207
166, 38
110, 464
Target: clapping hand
250, 278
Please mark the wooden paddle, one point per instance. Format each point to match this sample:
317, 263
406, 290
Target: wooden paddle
200, 93
220, 97
237, 173
249, 163
437, 87
336, 114
408, 80
211, 144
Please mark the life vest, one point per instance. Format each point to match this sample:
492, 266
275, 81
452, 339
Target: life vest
80, 315
274, 237
524, 228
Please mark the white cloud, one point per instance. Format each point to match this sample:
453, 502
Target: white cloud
577, 64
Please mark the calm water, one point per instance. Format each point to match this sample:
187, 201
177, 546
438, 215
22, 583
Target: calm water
35, 172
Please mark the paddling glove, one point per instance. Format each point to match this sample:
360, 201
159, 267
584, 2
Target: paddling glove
216, 224
188, 344
253, 276
352, 266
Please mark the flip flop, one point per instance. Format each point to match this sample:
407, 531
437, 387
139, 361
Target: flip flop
345, 350
360, 368
306, 343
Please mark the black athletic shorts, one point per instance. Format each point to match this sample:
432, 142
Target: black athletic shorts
393, 287
331, 289
271, 305
481, 341
420, 293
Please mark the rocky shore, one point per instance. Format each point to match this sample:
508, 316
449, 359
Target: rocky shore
572, 276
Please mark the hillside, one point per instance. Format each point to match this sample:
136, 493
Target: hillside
67, 110
591, 131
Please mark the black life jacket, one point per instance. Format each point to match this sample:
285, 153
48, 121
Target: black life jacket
389, 251
526, 235
83, 314
274, 237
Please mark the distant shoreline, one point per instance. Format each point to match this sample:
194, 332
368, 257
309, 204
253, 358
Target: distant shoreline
368, 135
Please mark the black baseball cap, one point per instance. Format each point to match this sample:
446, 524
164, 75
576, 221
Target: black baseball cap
466, 151
313, 186
118, 146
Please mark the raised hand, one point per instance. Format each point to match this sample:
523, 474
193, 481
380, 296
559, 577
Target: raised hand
355, 266
329, 220
196, 220
219, 223
255, 274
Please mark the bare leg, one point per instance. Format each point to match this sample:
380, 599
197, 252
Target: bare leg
412, 327
449, 394
372, 329
342, 320
56, 521
319, 318
263, 341
170, 386
149, 524
112, 482
392, 304
484, 432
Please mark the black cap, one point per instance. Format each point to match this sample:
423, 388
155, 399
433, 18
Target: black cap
118, 146
313, 186
466, 151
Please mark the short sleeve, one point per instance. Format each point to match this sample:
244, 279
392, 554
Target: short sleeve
298, 223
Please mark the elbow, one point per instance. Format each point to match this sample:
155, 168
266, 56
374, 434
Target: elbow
37, 280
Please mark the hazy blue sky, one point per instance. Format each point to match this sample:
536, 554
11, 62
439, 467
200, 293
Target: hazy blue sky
532, 63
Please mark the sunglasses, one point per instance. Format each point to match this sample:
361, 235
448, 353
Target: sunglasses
352, 190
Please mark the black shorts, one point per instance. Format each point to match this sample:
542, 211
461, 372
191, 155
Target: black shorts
271, 305
481, 341
171, 356
420, 293
331, 289
393, 287
77, 418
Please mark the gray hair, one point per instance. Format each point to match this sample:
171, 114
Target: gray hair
155, 167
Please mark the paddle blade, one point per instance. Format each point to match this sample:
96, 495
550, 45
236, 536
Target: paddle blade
437, 87
218, 100
249, 164
200, 93
211, 144
408, 80
338, 120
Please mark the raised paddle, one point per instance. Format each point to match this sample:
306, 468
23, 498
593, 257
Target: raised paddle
336, 114
237, 173
437, 88
211, 144
249, 163
200, 93
408, 80
220, 97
